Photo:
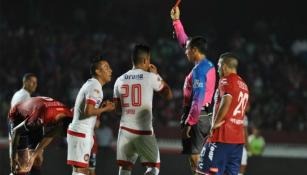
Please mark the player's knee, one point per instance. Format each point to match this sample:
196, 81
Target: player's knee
77, 173
194, 160
80, 171
152, 171
92, 171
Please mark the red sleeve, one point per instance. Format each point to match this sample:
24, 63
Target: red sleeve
225, 86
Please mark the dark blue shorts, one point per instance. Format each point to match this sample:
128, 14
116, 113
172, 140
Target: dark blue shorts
220, 159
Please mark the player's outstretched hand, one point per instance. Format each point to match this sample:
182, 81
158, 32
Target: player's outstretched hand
153, 69
185, 133
108, 106
175, 13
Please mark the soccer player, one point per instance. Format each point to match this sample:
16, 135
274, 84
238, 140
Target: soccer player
223, 152
29, 86
88, 106
28, 121
133, 93
197, 92
29, 81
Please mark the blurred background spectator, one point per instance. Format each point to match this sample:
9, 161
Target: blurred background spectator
256, 143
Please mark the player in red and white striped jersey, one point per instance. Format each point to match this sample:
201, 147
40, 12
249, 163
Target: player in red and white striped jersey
88, 106
134, 92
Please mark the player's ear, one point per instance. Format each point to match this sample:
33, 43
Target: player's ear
97, 72
194, 49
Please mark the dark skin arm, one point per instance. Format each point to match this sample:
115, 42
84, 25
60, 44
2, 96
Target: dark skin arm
118, 106
185, 133
166, 91
44, 143
90, 109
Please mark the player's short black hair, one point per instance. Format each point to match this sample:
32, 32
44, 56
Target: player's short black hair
230, 59
140, 51
200, 43
27, 76
94, 64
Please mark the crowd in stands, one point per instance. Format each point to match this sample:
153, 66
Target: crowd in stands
274, 66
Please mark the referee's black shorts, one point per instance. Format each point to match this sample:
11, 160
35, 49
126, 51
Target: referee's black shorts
198, 133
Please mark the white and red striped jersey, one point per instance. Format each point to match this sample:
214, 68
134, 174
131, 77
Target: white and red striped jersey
90, 93
135, 90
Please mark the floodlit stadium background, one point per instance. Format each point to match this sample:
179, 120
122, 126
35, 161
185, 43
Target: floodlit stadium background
56, 39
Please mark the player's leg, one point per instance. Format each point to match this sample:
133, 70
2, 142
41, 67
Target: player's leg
125, 170
36, 168
190, 148
234, 159
35, 137
148, 150
243, 162
77, 173
125, 153
199, 134
212, 159
92, 163
79, 147
193, 159
20, 164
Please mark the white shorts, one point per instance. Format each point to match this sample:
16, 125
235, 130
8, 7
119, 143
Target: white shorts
244, 157
130, 146
79, 148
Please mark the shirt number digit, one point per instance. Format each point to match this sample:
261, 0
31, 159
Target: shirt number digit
135, 94
242, 99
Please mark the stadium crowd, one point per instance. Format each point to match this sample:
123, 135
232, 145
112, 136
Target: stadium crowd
273, 65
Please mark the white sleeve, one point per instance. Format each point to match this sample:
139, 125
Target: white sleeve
115, 90
156, 81
92, 94
18, 98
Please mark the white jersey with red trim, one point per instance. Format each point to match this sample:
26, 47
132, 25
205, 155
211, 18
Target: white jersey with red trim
135, 90
90, 93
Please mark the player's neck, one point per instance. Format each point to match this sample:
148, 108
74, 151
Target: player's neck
101, 81
199, 58
27, 89
230, 72
139, 67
